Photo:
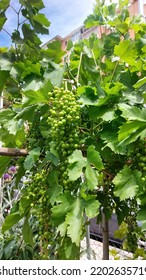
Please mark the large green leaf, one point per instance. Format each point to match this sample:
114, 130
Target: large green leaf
106, 114
31, 158
33, 97
11, 220
91, 207
113, 88
27, 232
126, 183
140, 83
30, 35
111, 140
27, 113
131, 131
55, 76
36, 4
13, 126
126, 51
88, 95
18, 211
77, 162
94, 158
11, 140
54, 191
54, 51
6, 115
91, 177
9, 248
41, 19
26, 68
64, 205
24, 205
68, 250
133, 113
5, 64
75, 220
2, 20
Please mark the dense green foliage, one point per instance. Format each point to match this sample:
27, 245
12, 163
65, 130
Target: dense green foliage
81, 114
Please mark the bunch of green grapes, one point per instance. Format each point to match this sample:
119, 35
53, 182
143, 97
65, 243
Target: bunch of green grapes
106, 197
131, 241
37, 192
137, 157
64, 121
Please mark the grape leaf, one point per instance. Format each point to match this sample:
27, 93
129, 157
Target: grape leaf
55, 76
75, 220
41, 19
27, 232
9, 247
91, 177
126, 183
54, 51
53, 189
13, 126
77, 162
130, 131
91, 207
94, 158
126, 51
34, 97
68, 250
106, 114
31, 158
26, 68
11, 220
38, 5
140, 83
133, 113
60, 210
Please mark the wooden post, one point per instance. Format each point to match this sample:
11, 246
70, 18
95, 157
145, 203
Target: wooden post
105, 234
88, 246
13, 152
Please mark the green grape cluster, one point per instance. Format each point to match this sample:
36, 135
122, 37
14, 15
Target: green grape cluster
64, 121
137, 158
106, 197
37, 192
131, 241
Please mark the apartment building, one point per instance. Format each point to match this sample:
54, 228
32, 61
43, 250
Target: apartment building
135, 7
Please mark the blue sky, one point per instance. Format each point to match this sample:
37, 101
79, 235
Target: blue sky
64, 15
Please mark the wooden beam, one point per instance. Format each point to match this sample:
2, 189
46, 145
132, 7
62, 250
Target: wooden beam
13, 152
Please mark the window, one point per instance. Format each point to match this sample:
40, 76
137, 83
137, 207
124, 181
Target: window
75, 37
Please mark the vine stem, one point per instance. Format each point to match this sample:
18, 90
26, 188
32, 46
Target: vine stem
6, 31
88, 245
97, 67
79, 68
114, 70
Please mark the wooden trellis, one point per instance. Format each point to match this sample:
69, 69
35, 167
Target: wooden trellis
13, 152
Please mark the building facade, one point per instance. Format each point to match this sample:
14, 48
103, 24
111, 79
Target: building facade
136, 7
